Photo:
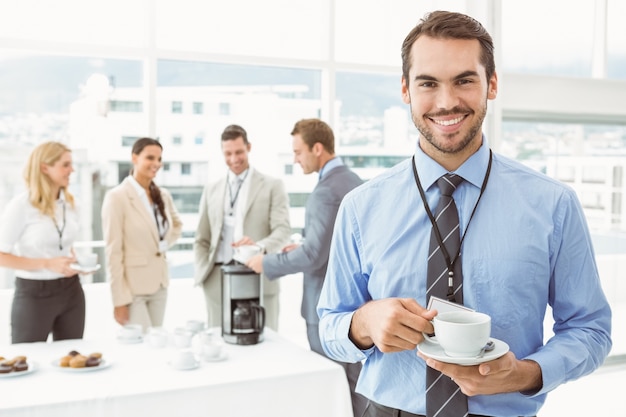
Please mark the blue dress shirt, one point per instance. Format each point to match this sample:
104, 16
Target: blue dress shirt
527, 248
332, 163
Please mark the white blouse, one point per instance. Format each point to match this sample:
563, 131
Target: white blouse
26, 232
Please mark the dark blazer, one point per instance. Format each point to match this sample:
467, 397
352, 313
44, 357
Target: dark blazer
311, 257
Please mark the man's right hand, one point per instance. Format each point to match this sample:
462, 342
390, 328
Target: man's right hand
392, 324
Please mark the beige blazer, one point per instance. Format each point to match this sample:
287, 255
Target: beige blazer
266, 221
135, 265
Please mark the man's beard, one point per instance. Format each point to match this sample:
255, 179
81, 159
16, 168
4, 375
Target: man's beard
439, 145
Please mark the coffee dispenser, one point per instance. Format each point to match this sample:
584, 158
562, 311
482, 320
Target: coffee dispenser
243, 316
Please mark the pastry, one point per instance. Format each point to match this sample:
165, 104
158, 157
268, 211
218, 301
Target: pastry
9, 362
78, 361
20, 366
92, 361
5, 369
65, 361
75, 360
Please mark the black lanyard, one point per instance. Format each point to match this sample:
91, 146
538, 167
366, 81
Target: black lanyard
450, 261
233, 200
60, 230
160, 231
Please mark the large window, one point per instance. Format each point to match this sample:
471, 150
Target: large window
100, 74
616, 39
534, 41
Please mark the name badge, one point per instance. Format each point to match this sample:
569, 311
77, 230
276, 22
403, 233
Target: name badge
229, 220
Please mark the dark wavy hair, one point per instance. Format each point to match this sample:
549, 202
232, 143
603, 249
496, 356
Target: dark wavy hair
155, 192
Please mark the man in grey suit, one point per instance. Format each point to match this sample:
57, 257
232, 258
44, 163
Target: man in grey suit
245, 207
314, 150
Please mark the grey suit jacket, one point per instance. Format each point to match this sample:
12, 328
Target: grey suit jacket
311, 257
266, 221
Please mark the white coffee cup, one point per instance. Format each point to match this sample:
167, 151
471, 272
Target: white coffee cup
245, 252
461, 334
212, 350
195, 325
87, 260
130, 331
184, 359
182, 337
157, 337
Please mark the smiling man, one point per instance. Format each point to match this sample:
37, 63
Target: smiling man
244, 207
508, 242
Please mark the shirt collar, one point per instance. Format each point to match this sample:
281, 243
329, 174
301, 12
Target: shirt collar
243, 175
140, 190
330, 165
61, 198
472, 170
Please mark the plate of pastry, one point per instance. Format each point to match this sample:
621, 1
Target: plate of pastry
75, 362
18, 366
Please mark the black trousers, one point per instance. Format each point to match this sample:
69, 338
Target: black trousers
44, 306
378, 410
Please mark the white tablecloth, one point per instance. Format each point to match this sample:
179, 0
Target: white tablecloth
273, 378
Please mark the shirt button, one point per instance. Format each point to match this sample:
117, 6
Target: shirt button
158, 254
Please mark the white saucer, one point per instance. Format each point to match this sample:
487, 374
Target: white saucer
195, 365
85, 269
129, 341
434, 351
103, 365
222, 356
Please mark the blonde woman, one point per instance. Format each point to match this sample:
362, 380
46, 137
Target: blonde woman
140, 223
37, 232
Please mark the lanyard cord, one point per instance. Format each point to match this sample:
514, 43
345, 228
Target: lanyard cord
450, 262
60, 230
160, 229
230, 191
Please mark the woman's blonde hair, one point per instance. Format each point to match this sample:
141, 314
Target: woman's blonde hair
39, 185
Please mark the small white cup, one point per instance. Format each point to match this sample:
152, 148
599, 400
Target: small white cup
182, 337
184, 359
157, 337
195, 325
245, 252
130, 331
212, 350
461, 333
87, 260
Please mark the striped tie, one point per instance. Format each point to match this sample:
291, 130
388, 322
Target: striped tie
443, 397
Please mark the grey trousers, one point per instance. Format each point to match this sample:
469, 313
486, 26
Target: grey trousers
41, 307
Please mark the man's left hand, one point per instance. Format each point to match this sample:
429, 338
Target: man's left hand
505, 374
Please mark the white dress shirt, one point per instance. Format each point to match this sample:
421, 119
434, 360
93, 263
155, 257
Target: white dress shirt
26, 232
153, 211
232, 227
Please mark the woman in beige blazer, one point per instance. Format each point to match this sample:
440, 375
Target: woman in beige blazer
140, 223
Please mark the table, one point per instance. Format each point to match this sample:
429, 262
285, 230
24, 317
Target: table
273, 378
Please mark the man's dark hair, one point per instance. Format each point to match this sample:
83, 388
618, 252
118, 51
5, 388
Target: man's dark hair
449, 25
233, 132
